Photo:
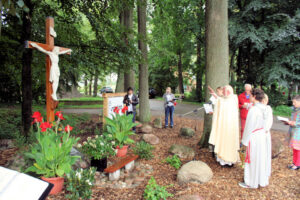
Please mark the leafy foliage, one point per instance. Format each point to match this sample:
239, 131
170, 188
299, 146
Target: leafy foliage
79, 183
174, 161
144, 150
154, 191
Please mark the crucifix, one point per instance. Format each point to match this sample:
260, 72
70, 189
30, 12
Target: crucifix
52, 69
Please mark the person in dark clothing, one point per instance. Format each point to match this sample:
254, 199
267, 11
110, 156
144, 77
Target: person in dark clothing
131, 101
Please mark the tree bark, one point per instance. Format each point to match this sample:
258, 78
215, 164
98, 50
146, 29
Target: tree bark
120, 82
144, 109
180, 77
95, 90
216, 54
90, 85
129, 79
26, 71
85, 85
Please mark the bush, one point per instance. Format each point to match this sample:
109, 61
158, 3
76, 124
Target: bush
276, 98
10, 123
174, 161
154, 191
79, 184
144, 150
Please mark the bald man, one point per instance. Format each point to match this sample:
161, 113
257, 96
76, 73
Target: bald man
244, 105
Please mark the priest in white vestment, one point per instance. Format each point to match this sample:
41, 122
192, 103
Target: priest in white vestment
225, 128
257, 139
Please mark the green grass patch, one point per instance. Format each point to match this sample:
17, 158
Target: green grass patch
83, 99
183, 101
282, 110
81, 106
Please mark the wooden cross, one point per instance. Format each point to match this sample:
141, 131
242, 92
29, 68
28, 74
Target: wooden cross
50, 103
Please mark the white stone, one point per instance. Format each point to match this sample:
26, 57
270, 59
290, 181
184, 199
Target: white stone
114, 176
129, 166
194, 171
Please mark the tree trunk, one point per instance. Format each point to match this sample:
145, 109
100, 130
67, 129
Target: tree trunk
90, 85
239, 65
120, 82
144, 109
95, 90
85, 85
26, 71
129, 78
216, 54
199, 71
180, 77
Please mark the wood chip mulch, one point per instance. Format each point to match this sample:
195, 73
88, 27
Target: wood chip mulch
284, 183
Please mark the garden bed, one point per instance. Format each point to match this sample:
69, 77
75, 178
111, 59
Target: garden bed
284, 183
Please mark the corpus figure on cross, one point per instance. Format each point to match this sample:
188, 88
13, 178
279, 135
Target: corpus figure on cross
54, 70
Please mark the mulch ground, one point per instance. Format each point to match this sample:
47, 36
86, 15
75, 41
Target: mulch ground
284, 183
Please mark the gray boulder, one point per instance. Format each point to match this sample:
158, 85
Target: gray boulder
157, 123
194, 171
151, 139
82, 162
16, 163
187, 132
146, 128
182, 151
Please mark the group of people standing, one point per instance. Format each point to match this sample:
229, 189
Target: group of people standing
256, 119
250, 110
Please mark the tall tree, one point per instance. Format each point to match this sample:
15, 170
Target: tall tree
26, 70
216, 54
95, 89
144, 109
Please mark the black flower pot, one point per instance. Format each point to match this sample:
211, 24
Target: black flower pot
99, 164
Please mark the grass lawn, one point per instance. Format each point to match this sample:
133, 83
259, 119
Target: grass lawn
183, 101
83, 99
80, 106
282, 110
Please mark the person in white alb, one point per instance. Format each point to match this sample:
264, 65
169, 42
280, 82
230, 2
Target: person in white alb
257, 141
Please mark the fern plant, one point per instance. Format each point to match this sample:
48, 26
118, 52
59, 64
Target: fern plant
154, 191
174, 161
144, 150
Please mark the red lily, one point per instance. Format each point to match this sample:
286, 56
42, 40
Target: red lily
45, 125
36, 115
37, 120
68, 128
175, 103
116, 110
59, 115
124, 109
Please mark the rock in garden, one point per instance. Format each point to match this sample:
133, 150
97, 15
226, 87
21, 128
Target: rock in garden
146, 128
151, 139
6, 144
277, 147
187, 132
82, 162
182, 151
190, 197
157, 123
194, 171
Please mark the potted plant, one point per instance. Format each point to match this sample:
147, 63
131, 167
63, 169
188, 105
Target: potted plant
120, 127
98, 149
51, 153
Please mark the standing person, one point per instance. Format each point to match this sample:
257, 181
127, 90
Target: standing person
131, 101
225, 127
255, 139
169, 100
244, 105
294, 133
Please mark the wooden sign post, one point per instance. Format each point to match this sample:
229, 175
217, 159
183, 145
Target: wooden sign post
50, 103
110, 101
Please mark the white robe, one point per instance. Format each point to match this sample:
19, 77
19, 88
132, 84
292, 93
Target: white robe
257, 138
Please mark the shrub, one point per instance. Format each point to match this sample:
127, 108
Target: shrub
79, 184
174, 161
144, 150
154, 191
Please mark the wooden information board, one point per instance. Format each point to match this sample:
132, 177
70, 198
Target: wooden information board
110, 101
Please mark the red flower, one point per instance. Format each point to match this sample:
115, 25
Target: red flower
36, 115
44, 126
175, 103
283, 93
59, 115
37, 119
116, 110
124, 109
68, 128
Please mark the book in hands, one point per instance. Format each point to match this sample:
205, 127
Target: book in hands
283, 119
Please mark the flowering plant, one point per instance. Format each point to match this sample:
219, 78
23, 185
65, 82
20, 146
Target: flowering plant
79, 184
98, 147
120, 126
51, 152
